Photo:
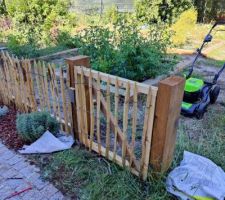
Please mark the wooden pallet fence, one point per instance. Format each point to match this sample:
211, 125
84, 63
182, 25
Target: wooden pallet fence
113, 121
34, 86
129, 123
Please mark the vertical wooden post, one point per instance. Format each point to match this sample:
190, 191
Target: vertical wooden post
167, 113
73, 62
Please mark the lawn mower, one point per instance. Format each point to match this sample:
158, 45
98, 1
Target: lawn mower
198, 94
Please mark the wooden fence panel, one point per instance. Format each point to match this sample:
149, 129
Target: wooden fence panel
115, 133
110, 115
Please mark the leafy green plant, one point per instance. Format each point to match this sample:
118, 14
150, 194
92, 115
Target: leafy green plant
33, 25
32, 126
124, 51
159, 10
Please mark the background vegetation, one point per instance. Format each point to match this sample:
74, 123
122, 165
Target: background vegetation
132, 45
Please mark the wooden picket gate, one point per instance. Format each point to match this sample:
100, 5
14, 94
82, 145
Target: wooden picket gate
129, 123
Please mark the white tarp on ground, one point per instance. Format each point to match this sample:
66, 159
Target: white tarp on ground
48, 143
197, 178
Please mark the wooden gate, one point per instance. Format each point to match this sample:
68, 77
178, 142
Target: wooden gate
106, 110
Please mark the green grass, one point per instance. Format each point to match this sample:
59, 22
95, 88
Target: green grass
218, 54
83, 175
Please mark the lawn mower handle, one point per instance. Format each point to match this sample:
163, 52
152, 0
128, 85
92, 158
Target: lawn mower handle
199, 51
218, 74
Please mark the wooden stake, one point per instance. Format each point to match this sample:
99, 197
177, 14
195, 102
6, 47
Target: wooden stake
72, 62
64, 100
46, 86
78, 107
125, 122
98, 114
84, 108
38, 84
91, 111
108, 119
134, 122
116, 117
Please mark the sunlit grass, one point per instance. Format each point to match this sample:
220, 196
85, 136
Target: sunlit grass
197, 35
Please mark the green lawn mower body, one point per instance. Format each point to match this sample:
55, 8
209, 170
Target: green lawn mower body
198, 94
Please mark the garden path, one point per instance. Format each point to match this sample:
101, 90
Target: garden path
19, 180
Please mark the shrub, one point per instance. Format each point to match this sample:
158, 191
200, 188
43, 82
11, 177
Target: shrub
124, 51
32, 126
39, 20
186, 22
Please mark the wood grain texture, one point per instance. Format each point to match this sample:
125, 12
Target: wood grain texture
168, 106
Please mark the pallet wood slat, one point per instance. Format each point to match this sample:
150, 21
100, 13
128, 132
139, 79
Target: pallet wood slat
91, 112
98, 113
41, 76
147, 112
125, 122
68, 104
116, 99
56, 85
23, 73
31, 86
84, 108
52, 89
108, 118
62, 85
81, 107
78, 108
134, 121
45, 84
36, 77
142, 88
148, 141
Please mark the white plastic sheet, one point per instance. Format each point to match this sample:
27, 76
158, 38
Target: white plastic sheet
48, 143
197, 178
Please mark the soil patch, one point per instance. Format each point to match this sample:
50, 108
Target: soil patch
8, 133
